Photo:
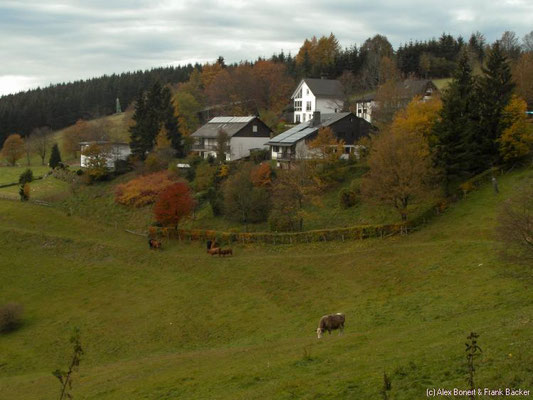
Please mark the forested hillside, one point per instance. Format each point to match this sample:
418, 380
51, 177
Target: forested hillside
61, 105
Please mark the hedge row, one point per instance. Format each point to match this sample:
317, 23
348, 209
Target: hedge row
16, 183
351, 233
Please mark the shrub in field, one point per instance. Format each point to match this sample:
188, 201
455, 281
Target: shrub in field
10, 317
173, 204
347, 198
26, 177
143, 190
24, 192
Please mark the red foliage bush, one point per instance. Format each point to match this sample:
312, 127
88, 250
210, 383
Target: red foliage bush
144, 190
173, 203
261, 175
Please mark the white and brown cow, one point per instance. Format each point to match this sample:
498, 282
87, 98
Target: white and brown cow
330, 323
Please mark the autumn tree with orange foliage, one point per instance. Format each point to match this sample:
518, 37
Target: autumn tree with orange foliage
143, 190
261, 175
326, 146
247, 90
13, 149
401, 170
317, 56
73, 136
173, 204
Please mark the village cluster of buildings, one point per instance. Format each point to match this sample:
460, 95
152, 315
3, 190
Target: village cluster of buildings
316, 103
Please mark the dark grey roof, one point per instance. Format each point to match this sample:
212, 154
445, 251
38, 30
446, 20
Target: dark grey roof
323, 87
407, 89
230, 125
301, 131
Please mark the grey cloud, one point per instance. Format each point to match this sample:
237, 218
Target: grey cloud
54, 41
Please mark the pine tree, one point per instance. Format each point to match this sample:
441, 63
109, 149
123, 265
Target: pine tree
493, 93
139, 142
55, 156
154, 111
453, 132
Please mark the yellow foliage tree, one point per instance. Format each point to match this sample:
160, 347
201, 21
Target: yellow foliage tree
13, 148
517, 140
418, 117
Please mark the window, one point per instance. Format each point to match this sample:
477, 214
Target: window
308, 108
303, 115
254, 128
275, 149
297, 118
359, 111
299, 94
297, 105
306, 91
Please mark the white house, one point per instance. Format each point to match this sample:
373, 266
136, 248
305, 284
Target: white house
244, 134
324, 95
405, 90
113, 151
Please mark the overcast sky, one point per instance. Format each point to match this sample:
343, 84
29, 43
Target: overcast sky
43, 42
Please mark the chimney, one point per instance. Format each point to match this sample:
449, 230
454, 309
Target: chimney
316, 118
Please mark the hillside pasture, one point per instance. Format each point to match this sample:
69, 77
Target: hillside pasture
181, 324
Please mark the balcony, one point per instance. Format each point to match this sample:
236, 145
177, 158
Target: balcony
285, 156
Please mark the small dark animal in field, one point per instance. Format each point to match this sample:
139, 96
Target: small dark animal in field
225, 252
213, 251
211, 244
154, 244
330, 323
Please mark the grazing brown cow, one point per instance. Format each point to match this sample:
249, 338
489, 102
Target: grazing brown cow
330, 323
213, 251
225, 252
154, 244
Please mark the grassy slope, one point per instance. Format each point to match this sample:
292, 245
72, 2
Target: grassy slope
178, 324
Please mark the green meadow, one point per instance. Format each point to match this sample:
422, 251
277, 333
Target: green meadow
179, 324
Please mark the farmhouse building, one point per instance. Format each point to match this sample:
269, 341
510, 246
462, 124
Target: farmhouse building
323, 95
405, 90
244, 134
292, 144
112, 151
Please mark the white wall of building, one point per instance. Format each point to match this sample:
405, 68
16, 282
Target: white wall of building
364, 110
305, 103
113, 152
308, 104
240, 146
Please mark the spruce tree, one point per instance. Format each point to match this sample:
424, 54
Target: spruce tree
454, 149
152, 112
493, 93
55, 156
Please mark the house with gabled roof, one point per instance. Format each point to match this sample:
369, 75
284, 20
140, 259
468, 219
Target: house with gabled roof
406, 90
323, 95
244, 134
292, 144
